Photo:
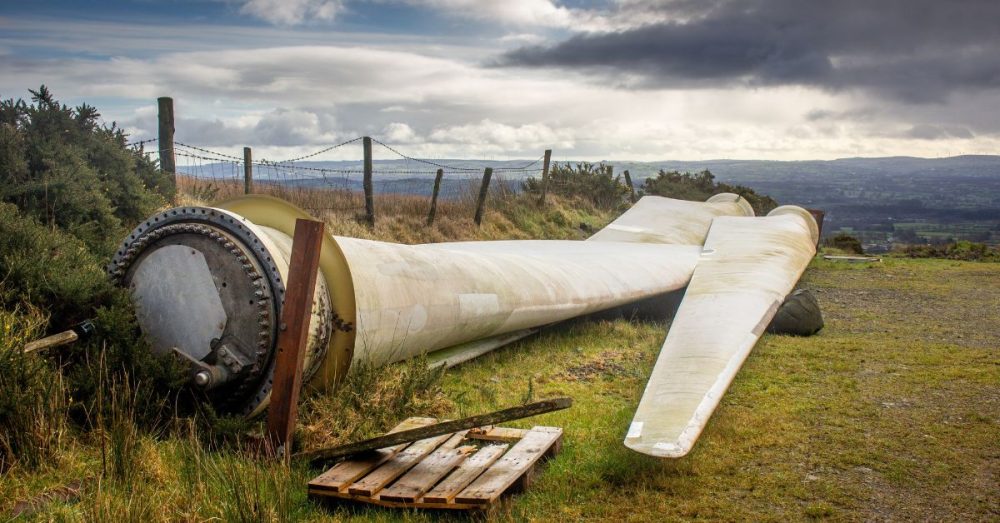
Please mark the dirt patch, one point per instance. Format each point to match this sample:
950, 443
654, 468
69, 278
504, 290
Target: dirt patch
606, 365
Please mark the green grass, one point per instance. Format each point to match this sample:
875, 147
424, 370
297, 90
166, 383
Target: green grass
891, 412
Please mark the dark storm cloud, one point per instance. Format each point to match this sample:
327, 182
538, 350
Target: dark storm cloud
911, 50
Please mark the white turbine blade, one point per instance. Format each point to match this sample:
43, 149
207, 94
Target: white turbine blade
655, 219
746, 269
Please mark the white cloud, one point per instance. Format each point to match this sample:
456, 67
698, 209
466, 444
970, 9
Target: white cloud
292, 100
523, 38
398, 132
620, 15
292, 12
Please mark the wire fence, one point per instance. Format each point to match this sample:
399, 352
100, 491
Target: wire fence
207, 175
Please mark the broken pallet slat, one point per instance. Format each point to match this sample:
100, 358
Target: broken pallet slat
468, 471
345, 473
518, 461
424, 475
395, 467
502, 434
447, 427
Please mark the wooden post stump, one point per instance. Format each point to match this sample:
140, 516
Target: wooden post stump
484, 190
434, 196
293, 334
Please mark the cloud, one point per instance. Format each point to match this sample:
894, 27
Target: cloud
437, 101
909, 50
292, 12
495, 137
938, 132
398, 132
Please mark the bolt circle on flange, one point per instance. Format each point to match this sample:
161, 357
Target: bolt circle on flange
244, 274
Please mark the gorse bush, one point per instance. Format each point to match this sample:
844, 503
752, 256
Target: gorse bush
55, 273
699, 187
846, 243
62, 167
69, 190
595, 183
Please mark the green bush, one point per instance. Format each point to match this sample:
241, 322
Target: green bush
595, 183
701, 186
54, 273
62, 167
846, 243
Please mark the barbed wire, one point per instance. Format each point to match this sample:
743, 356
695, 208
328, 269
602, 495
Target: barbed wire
428, 162
141, 142
317, 153
208, 151
521, 168
215, 160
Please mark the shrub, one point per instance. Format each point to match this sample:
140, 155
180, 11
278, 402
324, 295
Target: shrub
846, 243
593, 182
54, 273
60, 166
699, 187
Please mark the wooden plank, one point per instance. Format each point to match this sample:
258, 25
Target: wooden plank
54, 340
400, 504
395, 467
468, 471
293, 333
344, 473
523, 411
491, 433
512, 466
424, 475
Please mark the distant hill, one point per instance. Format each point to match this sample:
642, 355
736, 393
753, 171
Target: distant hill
879, 199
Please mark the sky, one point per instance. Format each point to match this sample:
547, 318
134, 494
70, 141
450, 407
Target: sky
593, 80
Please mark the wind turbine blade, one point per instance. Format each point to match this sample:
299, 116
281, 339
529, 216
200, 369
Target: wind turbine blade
747, 267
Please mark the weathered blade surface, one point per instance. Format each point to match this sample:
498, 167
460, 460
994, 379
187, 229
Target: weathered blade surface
655, 219
746, 269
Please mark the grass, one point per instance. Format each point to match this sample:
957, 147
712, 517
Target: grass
892, 412
403, 218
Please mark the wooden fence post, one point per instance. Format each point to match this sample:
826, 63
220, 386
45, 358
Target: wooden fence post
818, 215
631, 188
293, 334
369, 195
545, 176
166, 137
484, 189
247, 171
434, 196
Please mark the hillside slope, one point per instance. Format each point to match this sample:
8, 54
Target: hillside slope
891, 412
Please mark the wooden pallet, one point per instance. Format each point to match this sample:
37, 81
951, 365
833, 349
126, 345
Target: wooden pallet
466, 471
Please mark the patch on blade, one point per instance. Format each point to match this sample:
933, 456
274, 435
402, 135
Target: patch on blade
672, 448
634, 430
